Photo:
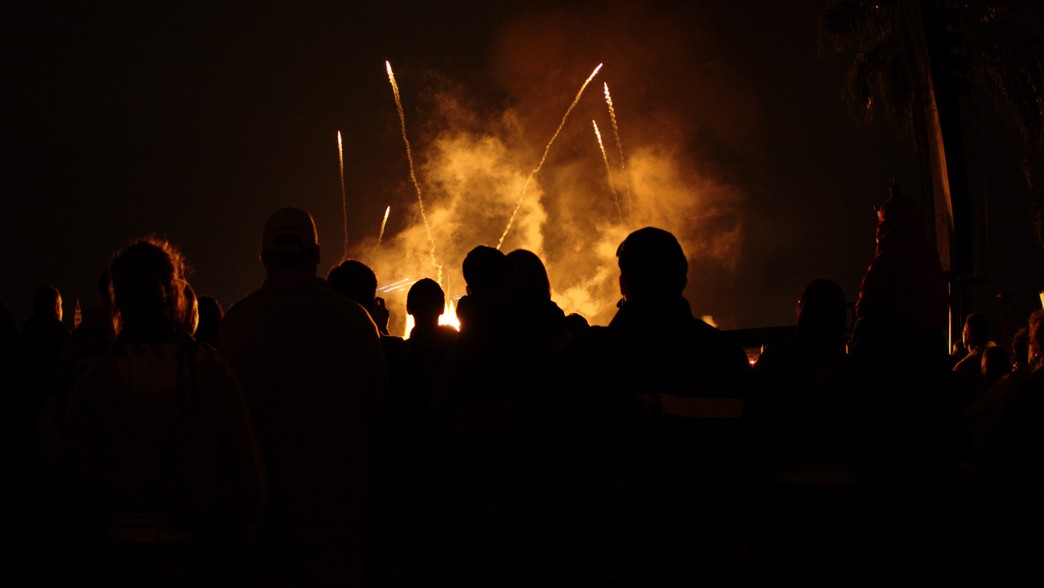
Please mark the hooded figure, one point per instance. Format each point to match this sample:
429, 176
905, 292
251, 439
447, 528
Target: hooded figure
904, 288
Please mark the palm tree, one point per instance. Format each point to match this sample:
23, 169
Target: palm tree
918, 61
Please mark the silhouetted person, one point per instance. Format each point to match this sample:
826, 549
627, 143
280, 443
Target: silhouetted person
976, 336
210, 313
312, 369
1016, 453
96, 326
357, 281
984, 414
88, 341
41, 340
479, 360
429, 341
530, 292
910, 431
903, 296
493, 373
995, 364
665, 468
485, 271
801, 411
19, 487
801, 387
164, 469
403, 448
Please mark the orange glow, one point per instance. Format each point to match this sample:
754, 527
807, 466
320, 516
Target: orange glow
473, 166
409, 326
413, 173
547, 149
608, 172
448, 317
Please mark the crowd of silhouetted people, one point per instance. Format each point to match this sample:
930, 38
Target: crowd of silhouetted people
291, 441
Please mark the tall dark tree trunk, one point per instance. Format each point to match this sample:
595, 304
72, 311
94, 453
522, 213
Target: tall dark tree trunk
932, 33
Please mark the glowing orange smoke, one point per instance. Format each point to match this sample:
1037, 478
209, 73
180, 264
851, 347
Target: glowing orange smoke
616, 134
608, 172
469, 166
616, 127
547, 150
413, 174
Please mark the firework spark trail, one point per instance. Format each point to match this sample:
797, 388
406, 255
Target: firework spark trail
344, 196
616, 128
380, 235
608, 172
413, 175
394, 286
547, 150
384, 223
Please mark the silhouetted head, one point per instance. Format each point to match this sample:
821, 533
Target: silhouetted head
105, 288
995, 363
148, 289
976, 333
289, 245
355, 280
210, 313
900, 214
485, 270
652, 265
1020, 348
527, 275
425, 301
47, 302
822, 308
1036, 340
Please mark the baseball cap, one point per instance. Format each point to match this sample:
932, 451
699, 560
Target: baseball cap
289, 230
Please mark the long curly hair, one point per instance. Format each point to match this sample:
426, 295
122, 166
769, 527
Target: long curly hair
148, 283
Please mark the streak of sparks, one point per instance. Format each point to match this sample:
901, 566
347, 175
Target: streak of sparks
384, 223
547, 149
616, 129
413, 174
344, 195
608, 172
396, 286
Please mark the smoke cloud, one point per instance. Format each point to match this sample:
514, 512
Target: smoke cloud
473, 160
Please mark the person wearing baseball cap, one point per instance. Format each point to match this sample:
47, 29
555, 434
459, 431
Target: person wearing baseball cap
289, 241
312, 368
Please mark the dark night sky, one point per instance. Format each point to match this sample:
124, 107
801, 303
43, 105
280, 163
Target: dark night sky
194, 121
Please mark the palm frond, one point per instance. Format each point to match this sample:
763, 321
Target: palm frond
851, 25
1008, 64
